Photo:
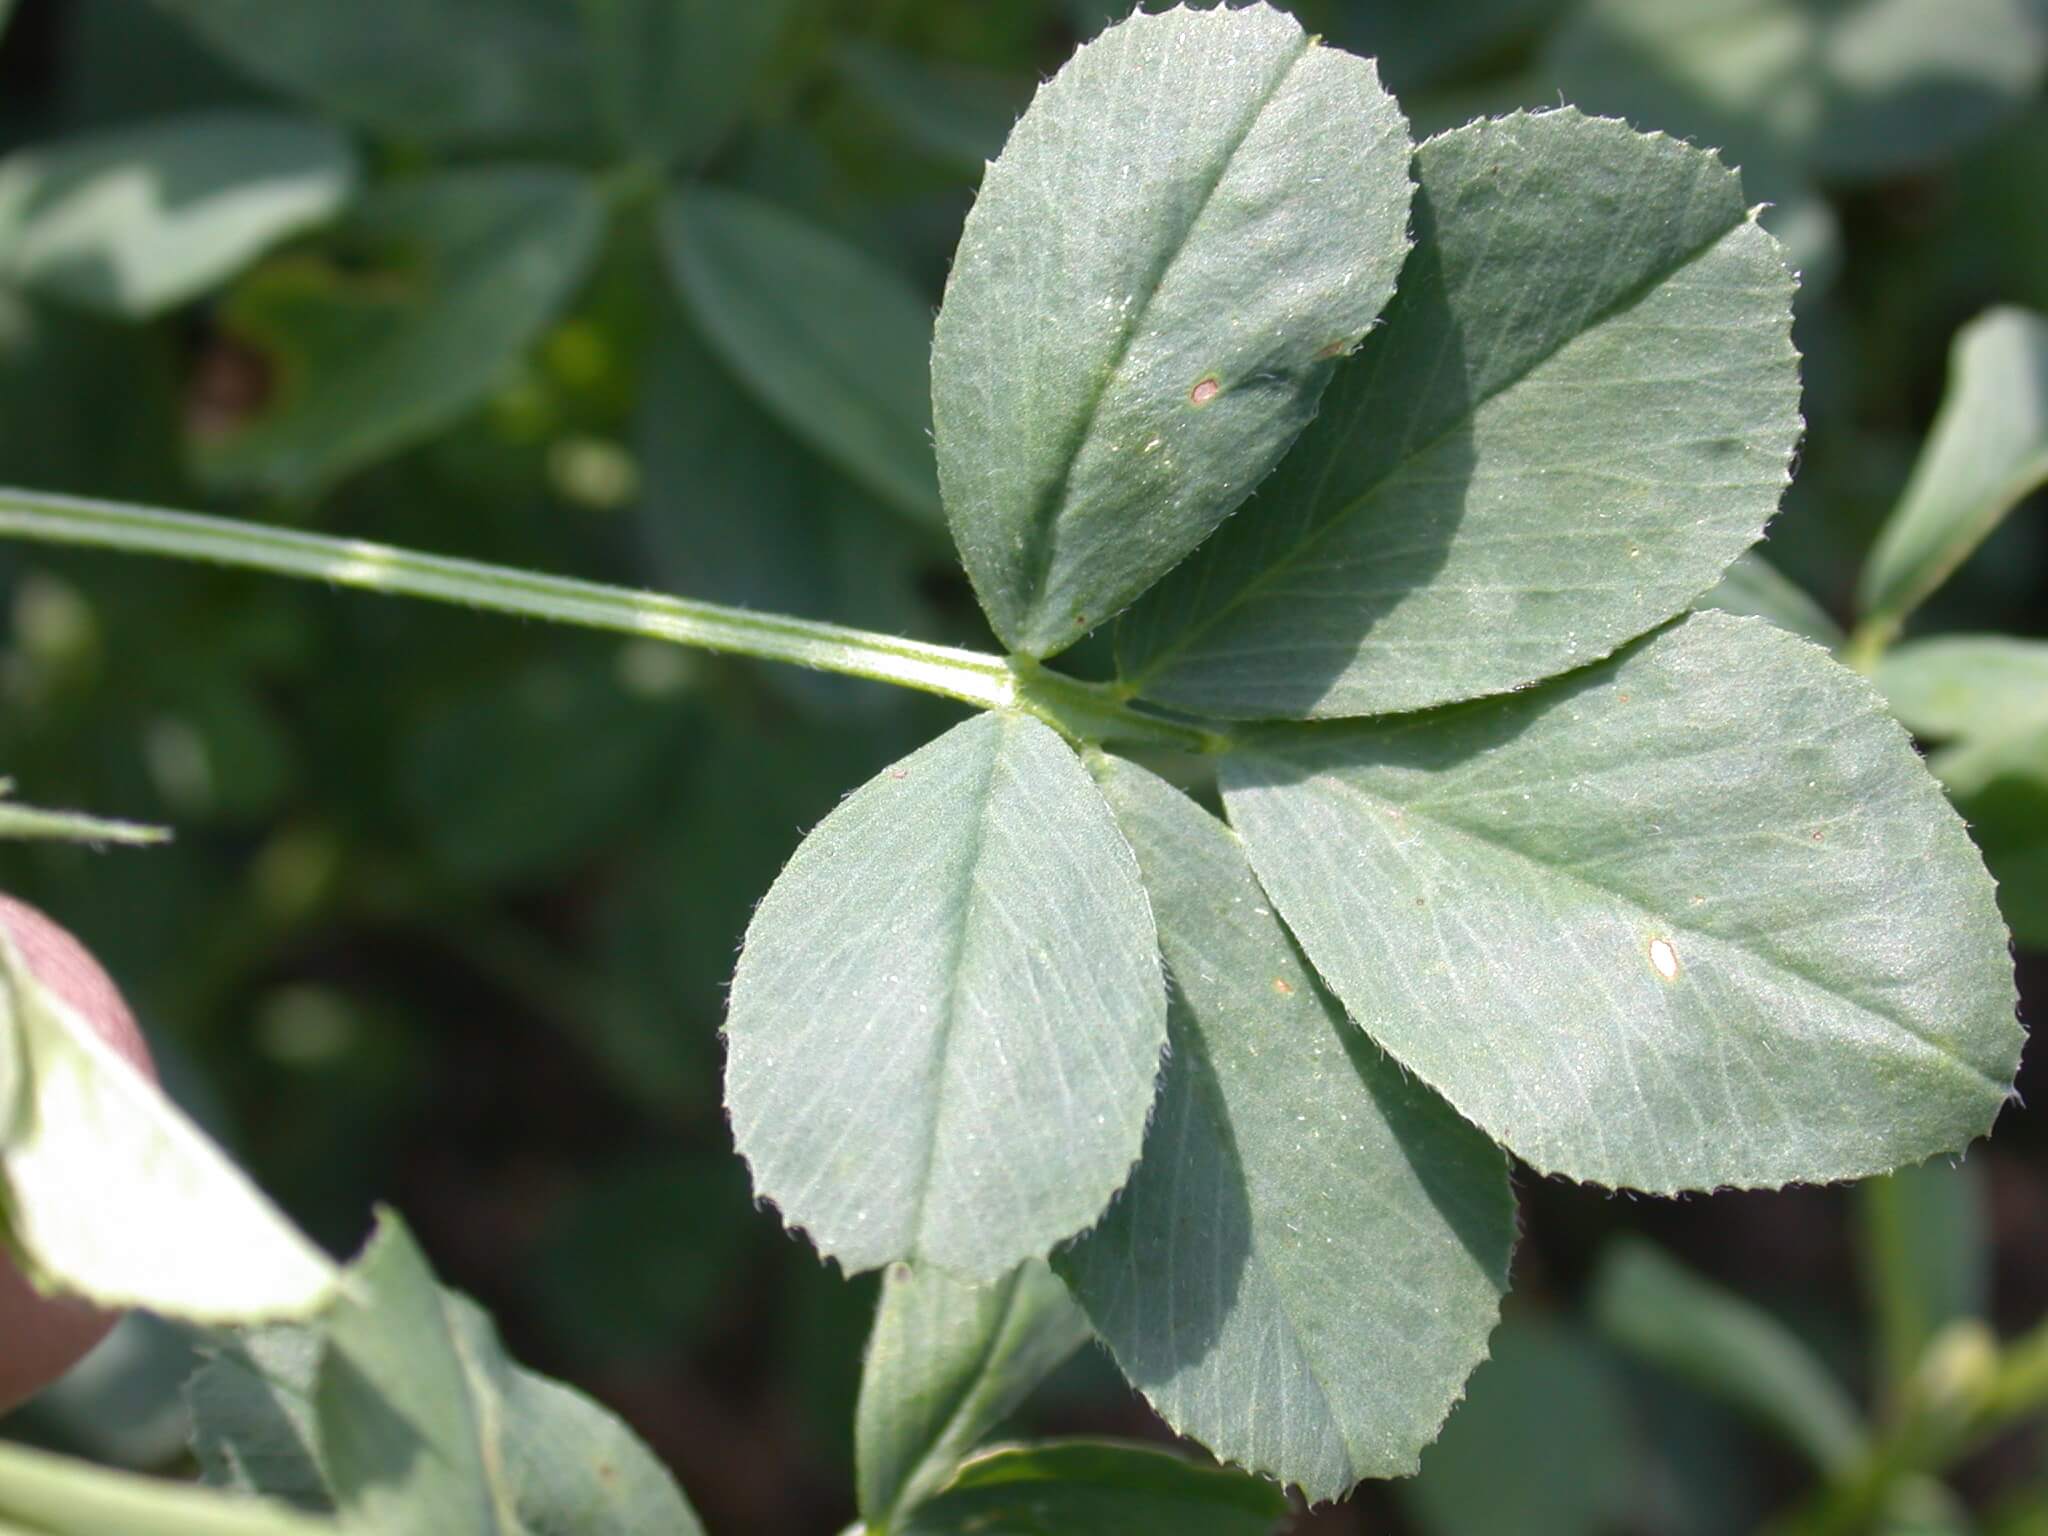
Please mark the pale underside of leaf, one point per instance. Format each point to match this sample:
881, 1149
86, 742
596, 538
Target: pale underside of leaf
1580, 409
1693, 917
111, 1194
946, 1023
1192, 221
946, 1363
1307, 1263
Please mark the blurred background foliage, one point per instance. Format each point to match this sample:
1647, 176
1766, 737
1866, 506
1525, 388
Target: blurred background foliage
641, 291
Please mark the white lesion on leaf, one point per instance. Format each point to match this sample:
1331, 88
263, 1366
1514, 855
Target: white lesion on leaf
1664, 958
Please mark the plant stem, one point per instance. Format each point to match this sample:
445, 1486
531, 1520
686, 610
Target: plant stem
1080, 710
1868, 642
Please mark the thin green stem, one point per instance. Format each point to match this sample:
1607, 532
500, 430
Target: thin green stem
1868, 642
1083, 711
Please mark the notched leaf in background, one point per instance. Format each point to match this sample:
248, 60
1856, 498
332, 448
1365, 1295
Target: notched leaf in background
1189, 225
1695, 916
944, 1032
1306, 1265
1580, 409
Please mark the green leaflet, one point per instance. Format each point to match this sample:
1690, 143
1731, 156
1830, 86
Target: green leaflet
1194, 218
426, 1428
475, 264
944, 1033
456, 72
1656, 1308
136, 220
1096, 1488
946, 1363
1581, 407
1987, 451
1845, 89
1988, 696
1692, 917
46, 1495
1306, 1265
172, 1224
675, 74
253, 1428
1755, 588
835, 344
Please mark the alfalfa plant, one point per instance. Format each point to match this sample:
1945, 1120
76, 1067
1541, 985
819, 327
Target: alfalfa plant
1400, 470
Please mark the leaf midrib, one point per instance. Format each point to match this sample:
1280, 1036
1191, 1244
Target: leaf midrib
1045, 518
1342, 516
969, 896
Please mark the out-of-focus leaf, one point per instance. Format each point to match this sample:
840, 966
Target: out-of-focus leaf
1988, 449
1925, 1256
676, 73
1115, 366
253, 1428
1851, 89
836, 345
136, 220
944, 1034
1312, 1252
1657, 1309
1096, 1488
1988, 695
946, 1364
958, 116
1754, 587
1543, 1444
735, 510
448, 71
172, 1224
426, 1428
531, 769
1693, 917
45, 1495
1580, 409
1419, 43
621, 1286
471, 266
1976, 688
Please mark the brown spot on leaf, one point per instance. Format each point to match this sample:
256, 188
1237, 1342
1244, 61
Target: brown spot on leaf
1206, 390
1283, 986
